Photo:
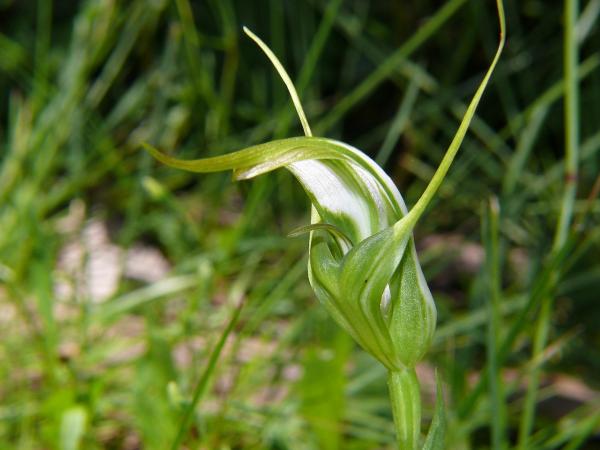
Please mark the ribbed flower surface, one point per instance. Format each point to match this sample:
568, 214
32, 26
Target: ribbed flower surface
362, 265
375, 288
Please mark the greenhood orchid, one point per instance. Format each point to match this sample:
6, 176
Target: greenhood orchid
363, 266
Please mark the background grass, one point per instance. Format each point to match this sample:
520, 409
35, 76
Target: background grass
118, 277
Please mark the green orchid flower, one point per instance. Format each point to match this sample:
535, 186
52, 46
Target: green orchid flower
362, 261
362, 266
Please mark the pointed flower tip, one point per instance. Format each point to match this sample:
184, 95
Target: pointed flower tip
160, 156
157, 154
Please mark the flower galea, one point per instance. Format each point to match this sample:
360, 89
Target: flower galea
363, 265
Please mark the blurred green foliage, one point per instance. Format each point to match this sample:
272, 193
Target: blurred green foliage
99, 349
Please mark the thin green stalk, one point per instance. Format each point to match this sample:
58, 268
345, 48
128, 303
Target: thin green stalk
498, 408
571, 120
527, 139
584, 432
406, 407
541, 288
389, 65
398, 123
205, 378
286, 79
541, 336
43, 38
192, 44
310, 61
442, 169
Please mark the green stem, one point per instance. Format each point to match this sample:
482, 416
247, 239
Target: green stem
406, 407
571, 119
491, 238
541, 336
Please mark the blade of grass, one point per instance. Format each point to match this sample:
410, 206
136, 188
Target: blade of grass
42, 45
228, 80
516, 164
143, 296
137, 18
440, 172
311, 59
490, 231
437, 430
398, 123
202, 83
551, 95
385, 69
587, 19
348, 24
571, 120
584, 429
202, 384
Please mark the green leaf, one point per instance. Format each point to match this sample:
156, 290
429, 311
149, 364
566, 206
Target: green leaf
437, 430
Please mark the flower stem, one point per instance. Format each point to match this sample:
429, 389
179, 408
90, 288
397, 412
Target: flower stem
406, 407
571, 121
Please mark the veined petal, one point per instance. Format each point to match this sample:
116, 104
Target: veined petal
351, 193
325, 278
412, 317
348, 189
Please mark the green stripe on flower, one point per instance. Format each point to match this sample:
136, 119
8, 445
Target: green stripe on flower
352, 194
